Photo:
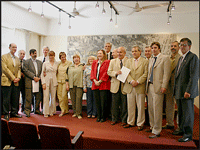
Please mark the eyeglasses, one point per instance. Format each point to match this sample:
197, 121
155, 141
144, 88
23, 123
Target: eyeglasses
184, 45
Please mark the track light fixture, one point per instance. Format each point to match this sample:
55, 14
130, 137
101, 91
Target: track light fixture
97, 5
30, 9
42, 14
69, 23
170, 15
173, 6
59, 22
111, 20
103, 11
116, 25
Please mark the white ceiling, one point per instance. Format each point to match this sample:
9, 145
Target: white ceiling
87, 8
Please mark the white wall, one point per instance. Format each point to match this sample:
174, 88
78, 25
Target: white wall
15, 17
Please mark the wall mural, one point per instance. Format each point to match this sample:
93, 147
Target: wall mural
88, 45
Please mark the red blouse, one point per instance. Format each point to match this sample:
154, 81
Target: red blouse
105, 85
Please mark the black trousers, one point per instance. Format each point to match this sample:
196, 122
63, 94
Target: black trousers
119, 107
10, 95
186, 116
101, 99
22, 90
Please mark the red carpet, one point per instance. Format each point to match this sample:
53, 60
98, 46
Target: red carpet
105, 136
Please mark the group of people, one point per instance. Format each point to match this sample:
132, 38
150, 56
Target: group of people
107, 96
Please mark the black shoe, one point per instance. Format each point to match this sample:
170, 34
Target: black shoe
103, 120
38, 112
168, 127
98, 120
32, 111
177, 132
6, 117
184, 139
15, 116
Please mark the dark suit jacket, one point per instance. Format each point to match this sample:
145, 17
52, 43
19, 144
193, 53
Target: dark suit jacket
186, 80
30, 72
111, 57
22, 81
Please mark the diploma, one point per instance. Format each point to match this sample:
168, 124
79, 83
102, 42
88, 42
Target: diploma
122, 77
35, 86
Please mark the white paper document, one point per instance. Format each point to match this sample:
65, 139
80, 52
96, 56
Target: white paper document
122, 77
35, 86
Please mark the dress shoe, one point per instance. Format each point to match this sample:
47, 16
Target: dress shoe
103, 120
154, 136
89, 116
38, 112
32, 111
98, 120
177, 132
6, 117
113, 123
168, 127
148, 130
140, 128
93, 116
128, 126
15, 116
123, 124
184, 139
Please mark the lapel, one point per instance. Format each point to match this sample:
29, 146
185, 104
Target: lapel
32, 65
176, 61
38, 66
139, 63
118, 64
150, 64
158, 60
10, 59
183, 63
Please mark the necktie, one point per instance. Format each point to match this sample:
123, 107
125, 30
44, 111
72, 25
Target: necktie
44, 59
151, 77
121, 64
136, 62
181, 60
21, 64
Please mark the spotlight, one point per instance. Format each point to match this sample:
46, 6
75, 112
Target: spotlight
30, 9
97, 5
111, 20
69, 27
170, 17
168, 23
103, 11
42, 15
116, 25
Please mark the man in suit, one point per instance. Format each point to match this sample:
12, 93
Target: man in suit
170, 101
45, 56
159, 71
148, 55
107, 48
11, 75
119, 98
32, 70
186, 89
22, 81
135, 88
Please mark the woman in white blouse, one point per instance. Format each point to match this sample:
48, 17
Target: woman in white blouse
49, 85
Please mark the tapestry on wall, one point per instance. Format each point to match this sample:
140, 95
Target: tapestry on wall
87, 45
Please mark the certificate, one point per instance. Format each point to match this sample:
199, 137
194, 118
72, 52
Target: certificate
122, 77
35, 86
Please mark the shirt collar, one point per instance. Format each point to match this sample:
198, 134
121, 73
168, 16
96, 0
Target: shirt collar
33, 60
12, 56
157, 55
137, 59
185, 54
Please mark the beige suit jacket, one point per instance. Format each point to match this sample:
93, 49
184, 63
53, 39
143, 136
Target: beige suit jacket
161, 73
62, 71
9, 71
114, 66
138, 74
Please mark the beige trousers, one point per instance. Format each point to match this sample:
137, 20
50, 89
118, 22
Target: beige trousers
63, 97
155, 108
134, 99
49, 104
